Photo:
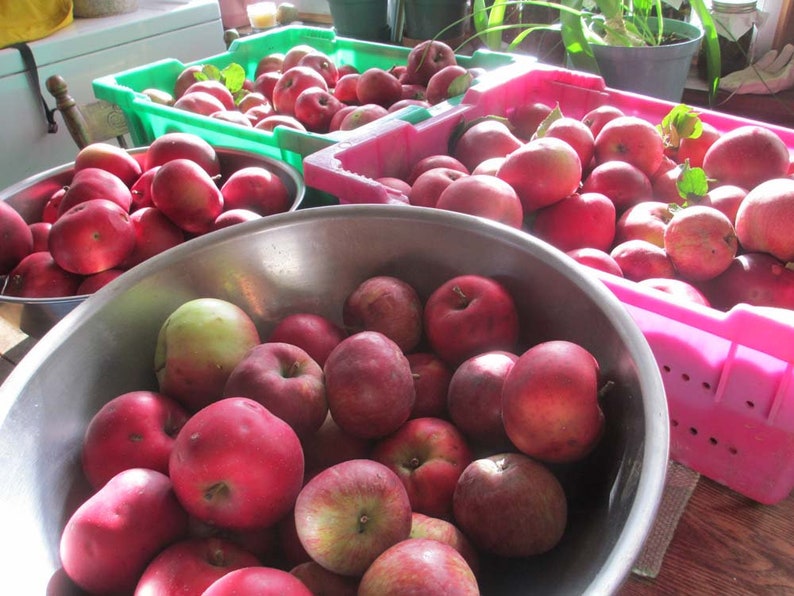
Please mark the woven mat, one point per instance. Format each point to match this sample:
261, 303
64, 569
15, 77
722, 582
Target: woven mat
681, 482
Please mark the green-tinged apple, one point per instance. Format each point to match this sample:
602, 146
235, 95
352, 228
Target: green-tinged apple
348, 514
700, 241
550, 402
419, 566
510, 505
435, 528
198, 346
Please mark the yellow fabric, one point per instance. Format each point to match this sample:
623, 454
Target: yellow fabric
29, 20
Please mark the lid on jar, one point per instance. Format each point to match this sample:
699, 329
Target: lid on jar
734, 6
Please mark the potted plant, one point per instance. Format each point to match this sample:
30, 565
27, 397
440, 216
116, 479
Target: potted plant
607, 30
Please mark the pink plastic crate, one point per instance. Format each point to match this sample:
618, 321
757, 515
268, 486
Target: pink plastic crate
729, 377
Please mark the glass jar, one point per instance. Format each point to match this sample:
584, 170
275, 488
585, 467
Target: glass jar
735, 21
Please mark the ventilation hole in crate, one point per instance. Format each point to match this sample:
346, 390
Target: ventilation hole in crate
750, 404
693, 431
733, 450
685, 377
666, 368
713, 440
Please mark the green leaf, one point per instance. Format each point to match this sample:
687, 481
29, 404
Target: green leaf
553, 116
692, 182
212, 72
459, 85
496, 18
681, 122
711, 45
233, 76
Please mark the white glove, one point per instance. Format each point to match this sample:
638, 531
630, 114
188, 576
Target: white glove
772, 73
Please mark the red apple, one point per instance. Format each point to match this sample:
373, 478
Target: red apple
474, 398
625, 184
103, 548
345, 88
291, 83
510, 505
579, 220
192, 565
257, 113
315, 107
92, 237
631, 139
350, 513
94, 183
577, 134
526, 170
469, 314
263, 581
428, 186
339, 116
132, 430
378, 86
92, 283
232, 217
185, 78
258, 189
747, 156
182, 145
597, 117
484, 196
187, 195
369, 385
425, 59
215, 88
321, 581
199, 102
286, 380
765, 219
315, 333
294, 54
386, 304
596, 259
253, 99
17, 238
484, 140
273, 61
40, 234
451, 81
419, 566
435, 528
550, 406
694, 149
265, 83
639, 259
754, 278
234, 117
323, 64
700, 241
237, 465
39, 276
646, 220
331, 445
526, 117
154, 233
109, 157
431, 381
436, 160
141, 190
677, 288
361, 115
428, 455
727, 198
268, 123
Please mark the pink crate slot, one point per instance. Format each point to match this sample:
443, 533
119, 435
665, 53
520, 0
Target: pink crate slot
729, 379
728, 376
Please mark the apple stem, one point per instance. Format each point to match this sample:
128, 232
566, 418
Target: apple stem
464, 300
215, 490
136, 437
605, 388
414, 463
293, 370
218, 558
362, 522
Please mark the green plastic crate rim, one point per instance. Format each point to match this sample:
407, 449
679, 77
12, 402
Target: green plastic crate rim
147, 120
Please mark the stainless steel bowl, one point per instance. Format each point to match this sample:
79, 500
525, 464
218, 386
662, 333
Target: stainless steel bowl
35, 316
309, 260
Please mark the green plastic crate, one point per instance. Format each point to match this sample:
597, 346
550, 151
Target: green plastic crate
148, 120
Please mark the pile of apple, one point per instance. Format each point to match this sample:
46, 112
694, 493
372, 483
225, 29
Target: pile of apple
304, 88
119, 210
386, 455
679, 206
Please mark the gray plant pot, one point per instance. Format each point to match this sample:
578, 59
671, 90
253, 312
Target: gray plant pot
656, 71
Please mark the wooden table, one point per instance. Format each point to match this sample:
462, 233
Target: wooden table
724, 544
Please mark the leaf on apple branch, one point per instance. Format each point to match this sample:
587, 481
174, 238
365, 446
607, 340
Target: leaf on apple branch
682, 122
